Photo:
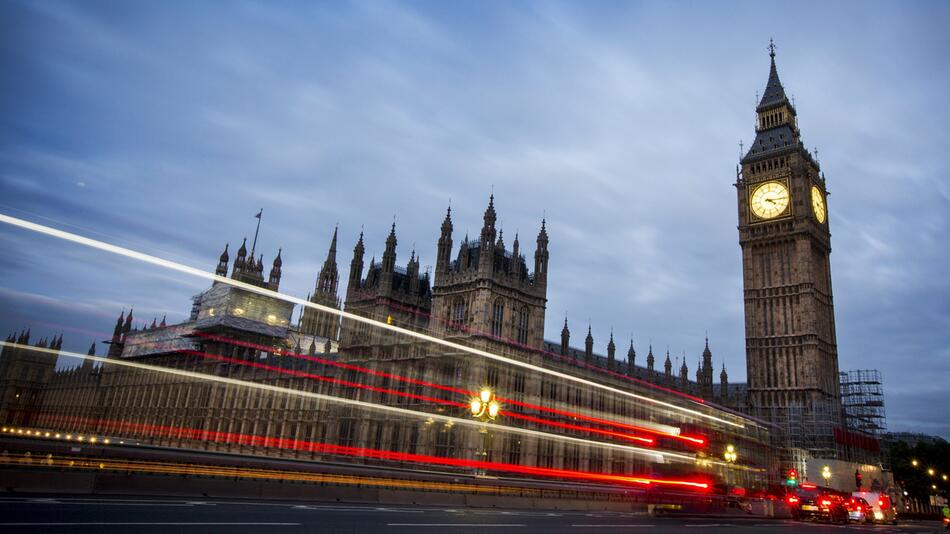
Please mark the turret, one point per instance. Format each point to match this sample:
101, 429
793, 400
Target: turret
388, 266
705, 379
222, 269
356, 265
631, 360
724, 384
444, 250
668, 368
273, 281
486, 254
117, 332
565, 339
412, 273
650, 359
611, 352
329, 278
541, 257
240, 262
87, 363
589, 347
516, 257
463, 255
127, 327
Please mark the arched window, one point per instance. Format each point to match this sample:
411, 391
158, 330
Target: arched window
523, 325
457, 316
497, 317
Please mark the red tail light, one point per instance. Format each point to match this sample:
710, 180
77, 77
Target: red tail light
825, 502
792, 499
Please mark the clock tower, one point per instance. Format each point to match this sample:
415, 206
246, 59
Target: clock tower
791, 352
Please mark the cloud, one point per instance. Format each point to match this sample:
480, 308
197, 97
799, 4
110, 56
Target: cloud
619, 122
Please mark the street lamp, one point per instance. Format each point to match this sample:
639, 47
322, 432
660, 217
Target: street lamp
485, 407
914, 463
930, 471
826, 474
730, 455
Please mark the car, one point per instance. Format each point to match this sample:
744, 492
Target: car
859, 510
882, 510
818, 504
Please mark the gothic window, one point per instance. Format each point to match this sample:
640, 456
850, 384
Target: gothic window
545, 453
497, 317
458, 313
513, 450
445, 442
523, 325
571, 457
518, 385
492, 379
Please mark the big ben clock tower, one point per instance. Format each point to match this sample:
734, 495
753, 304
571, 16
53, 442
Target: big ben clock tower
791, 353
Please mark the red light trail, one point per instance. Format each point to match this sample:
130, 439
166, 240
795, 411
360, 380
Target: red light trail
424, 398
377, 454
688, 439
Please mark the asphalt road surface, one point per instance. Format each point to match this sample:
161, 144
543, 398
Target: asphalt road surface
144, 514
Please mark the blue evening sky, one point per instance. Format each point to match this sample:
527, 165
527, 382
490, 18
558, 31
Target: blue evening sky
164, 126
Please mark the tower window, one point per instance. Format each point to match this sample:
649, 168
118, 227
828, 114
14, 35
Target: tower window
458, 313
497, 317
523, 325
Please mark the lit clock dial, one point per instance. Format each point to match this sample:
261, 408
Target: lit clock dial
818, 204
769, 200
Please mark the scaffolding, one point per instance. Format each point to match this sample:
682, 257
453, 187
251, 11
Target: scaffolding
802, 431
862, 397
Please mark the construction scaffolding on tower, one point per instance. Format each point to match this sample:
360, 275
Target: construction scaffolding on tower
862, 396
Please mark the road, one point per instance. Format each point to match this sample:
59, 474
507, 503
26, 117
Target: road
145, 514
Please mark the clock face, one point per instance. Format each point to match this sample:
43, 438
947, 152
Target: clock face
769, 200
818, 204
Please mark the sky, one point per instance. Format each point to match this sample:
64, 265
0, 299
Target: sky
165, 126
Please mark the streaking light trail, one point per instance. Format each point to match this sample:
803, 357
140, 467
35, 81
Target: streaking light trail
655, 455
160, 262
467, 394
378, 454
346, 383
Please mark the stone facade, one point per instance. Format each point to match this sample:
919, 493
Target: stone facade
791, 351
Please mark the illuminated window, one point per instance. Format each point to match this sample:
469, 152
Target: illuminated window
497, 317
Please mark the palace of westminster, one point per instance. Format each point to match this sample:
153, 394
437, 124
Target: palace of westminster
484, 295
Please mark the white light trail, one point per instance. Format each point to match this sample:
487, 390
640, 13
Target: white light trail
655, 455
154, 260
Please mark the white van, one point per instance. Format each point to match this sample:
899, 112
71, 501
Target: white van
881, 505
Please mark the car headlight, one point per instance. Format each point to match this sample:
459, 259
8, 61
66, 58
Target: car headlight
878, 515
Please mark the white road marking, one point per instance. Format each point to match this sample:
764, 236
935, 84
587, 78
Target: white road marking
703, 525
147, 524
478, 525
613, 526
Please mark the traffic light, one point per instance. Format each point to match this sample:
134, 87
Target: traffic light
792, 479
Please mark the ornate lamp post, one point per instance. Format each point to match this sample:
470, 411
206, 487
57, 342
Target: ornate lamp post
485, 407
826, 474
731, 455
